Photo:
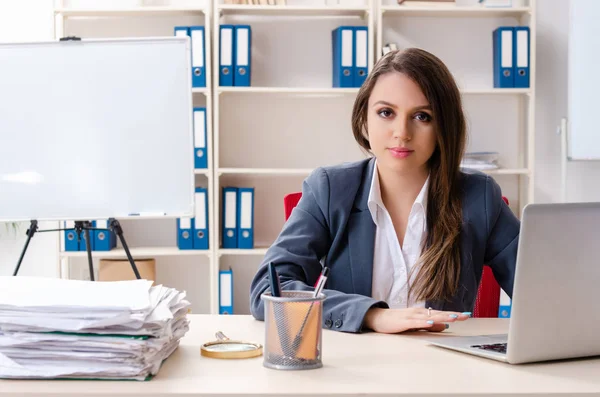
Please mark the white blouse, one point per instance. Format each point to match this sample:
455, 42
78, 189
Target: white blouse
392, 263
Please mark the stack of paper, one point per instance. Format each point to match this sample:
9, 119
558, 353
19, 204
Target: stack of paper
70, 329
480, 160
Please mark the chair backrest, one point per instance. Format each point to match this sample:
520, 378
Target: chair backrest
487, 301
289, 202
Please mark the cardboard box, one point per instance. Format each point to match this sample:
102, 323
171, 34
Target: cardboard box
120, 269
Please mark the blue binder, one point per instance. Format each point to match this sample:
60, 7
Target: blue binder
226, 55
104, 240
504, 305
201, 219
245, 217
243, 55
181, 31
225, 291
71, 243
342, 40
230, 218
503, 57
198, 56
200, 152
361, 55
522, 56
82, 244
185, 238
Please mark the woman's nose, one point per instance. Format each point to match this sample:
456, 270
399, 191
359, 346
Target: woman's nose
402, 130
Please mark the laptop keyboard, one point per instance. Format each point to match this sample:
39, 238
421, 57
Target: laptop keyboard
496, 347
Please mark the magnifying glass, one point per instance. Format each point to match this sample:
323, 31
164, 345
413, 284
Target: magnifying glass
224, 347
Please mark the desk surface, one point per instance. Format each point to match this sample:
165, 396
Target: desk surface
353, 364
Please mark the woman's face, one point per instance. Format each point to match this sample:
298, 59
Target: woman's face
400, 125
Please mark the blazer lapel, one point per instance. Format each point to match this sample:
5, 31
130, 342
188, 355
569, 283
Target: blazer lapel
361, 236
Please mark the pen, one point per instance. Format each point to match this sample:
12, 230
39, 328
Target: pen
319, 287
274, 281
280, 319
321, 282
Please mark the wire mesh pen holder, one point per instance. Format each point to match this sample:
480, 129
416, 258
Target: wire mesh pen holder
293, 330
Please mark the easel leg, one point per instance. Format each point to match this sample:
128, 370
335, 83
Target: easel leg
88, 247
33, 227
83, 227
116, 227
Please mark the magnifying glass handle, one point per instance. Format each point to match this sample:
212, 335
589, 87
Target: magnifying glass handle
221, 336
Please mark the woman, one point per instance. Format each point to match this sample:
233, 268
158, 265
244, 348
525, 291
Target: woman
405, 233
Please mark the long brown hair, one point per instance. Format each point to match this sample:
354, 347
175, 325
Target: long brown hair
440, 261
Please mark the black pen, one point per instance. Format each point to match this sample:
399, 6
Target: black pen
280, 317
274, 281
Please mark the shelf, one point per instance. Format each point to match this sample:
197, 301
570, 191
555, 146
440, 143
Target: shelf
452, 10
202, 172
496, 91
507, 171
252, 252
288, 90
137, 252
119, 12
354, 91
307, 171
265, 171
200, 91
229, 9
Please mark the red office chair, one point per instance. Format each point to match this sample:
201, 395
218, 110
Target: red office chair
488, 294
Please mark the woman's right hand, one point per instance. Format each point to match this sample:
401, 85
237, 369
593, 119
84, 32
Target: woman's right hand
391, 321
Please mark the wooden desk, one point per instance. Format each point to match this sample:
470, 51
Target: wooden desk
353, 364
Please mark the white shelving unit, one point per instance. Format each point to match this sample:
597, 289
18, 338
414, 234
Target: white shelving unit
150, 238
297, 38
510, 127
271, 135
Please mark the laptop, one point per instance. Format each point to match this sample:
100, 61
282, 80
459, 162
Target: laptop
555, 310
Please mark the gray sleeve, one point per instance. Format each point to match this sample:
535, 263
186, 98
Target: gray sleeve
503, 236
304, 240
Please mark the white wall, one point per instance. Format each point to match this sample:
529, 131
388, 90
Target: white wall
552, 45
27, 20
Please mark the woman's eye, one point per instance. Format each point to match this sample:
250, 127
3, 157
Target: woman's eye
423, 117
385, 113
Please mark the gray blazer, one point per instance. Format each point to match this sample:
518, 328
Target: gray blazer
332, 220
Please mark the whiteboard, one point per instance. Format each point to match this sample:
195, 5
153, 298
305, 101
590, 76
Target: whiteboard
584, 80
94, 129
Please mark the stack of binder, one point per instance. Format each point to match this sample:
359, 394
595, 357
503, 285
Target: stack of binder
192, 233
102, 239
235, 55
198, 56
511, 56
350, 50
71, 329
238, 217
